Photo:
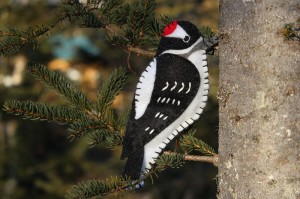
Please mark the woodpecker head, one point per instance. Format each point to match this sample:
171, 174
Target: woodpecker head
178, 35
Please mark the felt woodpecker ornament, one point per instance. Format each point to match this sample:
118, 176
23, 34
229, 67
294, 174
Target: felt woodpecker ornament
170, 96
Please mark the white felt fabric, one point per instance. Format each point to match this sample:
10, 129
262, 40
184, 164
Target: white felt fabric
179, 32
144, 89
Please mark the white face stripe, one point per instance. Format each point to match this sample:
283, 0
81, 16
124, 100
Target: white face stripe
179, 32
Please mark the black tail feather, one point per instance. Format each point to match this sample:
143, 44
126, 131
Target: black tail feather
134, 164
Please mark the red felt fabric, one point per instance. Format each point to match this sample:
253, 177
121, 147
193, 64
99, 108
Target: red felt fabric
169, 28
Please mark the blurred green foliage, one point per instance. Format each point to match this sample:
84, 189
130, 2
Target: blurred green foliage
36, 158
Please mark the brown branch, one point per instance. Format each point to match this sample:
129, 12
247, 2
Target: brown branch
140, 51
210, 159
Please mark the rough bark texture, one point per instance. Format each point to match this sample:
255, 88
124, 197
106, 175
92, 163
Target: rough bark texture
259, 130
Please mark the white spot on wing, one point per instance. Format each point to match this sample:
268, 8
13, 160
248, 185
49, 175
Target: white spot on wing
146, 85
175, 84
167, 85
190, 84
182, 87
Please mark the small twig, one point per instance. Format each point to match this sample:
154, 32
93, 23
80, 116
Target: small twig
140, 51
128, 63
210, 159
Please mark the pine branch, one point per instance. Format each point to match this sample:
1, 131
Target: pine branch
76, 12
111, 139
82, 127
16, 39
139, 51
40, 111
121, 122
172, 160
110, 89
210, 159
101, 188
98, 188
134, 25
189, 143
137, 27
81, 14
62, 85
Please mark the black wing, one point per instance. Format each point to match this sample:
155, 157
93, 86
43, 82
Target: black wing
176, 84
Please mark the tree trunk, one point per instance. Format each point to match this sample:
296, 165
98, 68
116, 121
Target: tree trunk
259, 130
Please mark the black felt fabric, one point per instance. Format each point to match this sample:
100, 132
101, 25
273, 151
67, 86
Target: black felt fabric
170, 68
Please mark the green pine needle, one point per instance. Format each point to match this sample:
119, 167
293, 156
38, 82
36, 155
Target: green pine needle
111, 139
110, 89
206, 31
189, 143
61, 85
164, 161
121, 121
98, 188
12, 39
40, 111
85, 126
81, 14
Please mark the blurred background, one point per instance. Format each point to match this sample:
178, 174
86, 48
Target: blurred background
37, 160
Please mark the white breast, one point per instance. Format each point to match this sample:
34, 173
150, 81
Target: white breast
144, 90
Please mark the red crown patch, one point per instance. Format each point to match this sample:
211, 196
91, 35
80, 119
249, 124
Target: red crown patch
169, 28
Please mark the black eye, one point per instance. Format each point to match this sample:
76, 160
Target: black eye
186, 39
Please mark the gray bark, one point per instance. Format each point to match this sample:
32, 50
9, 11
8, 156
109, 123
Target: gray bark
259, 130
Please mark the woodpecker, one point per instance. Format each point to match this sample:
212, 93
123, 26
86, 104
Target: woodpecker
170, 96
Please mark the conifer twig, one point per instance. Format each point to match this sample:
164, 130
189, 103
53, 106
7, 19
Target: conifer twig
210, 159
139, 51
